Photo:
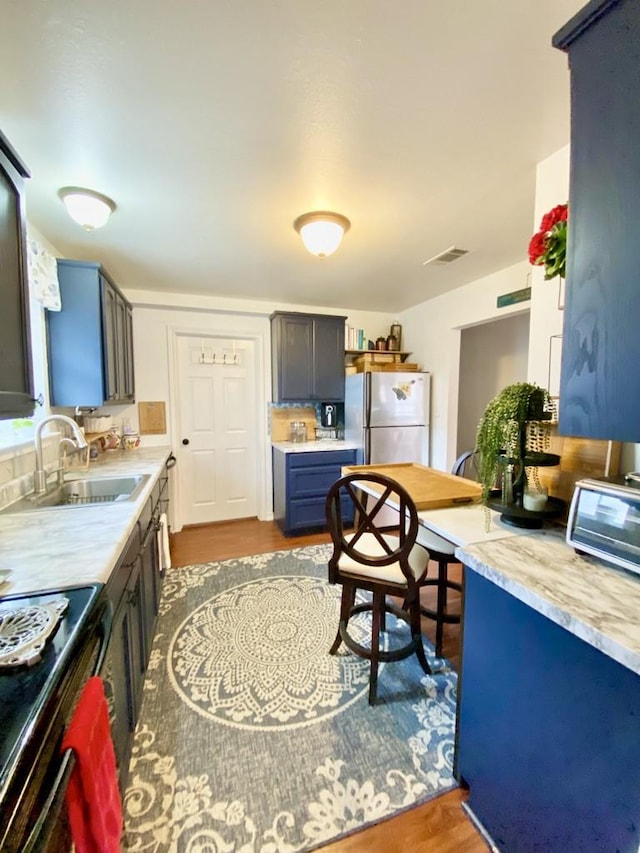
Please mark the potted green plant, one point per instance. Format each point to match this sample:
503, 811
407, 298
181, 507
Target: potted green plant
513, 435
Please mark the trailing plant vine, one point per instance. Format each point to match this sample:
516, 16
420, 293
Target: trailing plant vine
514, 423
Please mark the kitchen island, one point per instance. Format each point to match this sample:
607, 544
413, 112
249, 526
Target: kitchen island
549, 705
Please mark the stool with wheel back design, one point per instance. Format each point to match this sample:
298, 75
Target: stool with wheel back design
382, 560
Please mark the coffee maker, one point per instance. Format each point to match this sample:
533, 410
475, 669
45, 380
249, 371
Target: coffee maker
328, 414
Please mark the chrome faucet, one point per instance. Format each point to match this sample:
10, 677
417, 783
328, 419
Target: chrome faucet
78, 442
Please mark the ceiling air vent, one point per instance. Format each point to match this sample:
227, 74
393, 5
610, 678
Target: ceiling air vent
448, 256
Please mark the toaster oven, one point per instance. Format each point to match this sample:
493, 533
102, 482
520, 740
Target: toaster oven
604, 521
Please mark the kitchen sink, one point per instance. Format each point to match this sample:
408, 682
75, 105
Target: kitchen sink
83, 492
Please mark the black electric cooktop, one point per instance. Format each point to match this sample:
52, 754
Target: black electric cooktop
26, 690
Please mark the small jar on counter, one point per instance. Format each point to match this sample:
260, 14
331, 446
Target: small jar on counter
297, 431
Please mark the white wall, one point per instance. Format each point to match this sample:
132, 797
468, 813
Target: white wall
157, 317
432, 330
491, 356
552, 188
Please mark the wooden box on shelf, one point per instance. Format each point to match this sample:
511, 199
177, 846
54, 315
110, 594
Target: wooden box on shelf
376, 360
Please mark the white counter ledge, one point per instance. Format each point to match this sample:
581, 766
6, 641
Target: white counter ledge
60, 548
314, 446
598, 603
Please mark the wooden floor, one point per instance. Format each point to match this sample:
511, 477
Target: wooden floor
439, 826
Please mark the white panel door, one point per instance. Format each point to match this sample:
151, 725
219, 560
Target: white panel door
217, 429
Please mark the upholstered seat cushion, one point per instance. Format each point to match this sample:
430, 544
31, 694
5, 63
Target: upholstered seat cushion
432, 542
368, 544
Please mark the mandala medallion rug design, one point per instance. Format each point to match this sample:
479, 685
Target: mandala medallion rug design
253, 738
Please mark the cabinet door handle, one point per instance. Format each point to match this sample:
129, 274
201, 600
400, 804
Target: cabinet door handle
185, 441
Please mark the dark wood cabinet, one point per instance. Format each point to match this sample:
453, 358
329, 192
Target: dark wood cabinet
307, 357
600, 383
16, 382
90, 340
134, 591
301, 481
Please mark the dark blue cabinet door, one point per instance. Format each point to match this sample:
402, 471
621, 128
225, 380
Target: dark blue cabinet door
90, 341
600, 382
307, 357
16, 383
293, 365
329, 358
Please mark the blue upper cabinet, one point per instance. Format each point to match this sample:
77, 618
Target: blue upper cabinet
90, 340
307, 357
600, 380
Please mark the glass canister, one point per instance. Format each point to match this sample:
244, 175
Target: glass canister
297, 431
396, 332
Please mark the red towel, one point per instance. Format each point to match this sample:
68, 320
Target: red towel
93, 796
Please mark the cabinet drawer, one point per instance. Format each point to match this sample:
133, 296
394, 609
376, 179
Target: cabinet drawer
310, 482
322, 457
310, 512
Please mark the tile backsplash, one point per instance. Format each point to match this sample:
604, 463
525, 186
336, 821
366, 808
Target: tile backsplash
17, 465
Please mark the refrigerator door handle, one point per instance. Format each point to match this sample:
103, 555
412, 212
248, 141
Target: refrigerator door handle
367, 447
367, 399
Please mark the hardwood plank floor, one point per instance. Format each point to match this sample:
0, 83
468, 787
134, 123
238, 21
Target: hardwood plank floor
439, 826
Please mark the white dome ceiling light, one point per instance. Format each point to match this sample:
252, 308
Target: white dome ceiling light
322, 231
87, 207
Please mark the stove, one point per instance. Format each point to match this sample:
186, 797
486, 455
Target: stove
37, 698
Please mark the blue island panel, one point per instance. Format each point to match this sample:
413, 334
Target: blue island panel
549, 732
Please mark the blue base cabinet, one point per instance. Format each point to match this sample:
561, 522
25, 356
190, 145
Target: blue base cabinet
301, 481
548, 732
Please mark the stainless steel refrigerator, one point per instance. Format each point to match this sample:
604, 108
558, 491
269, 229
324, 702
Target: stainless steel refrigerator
387, 415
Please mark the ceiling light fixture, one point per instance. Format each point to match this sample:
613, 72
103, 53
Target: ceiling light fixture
87, 207
322, 231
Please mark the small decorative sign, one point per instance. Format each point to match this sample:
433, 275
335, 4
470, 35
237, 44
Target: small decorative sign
514, 297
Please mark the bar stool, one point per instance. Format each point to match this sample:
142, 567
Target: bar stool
442, 552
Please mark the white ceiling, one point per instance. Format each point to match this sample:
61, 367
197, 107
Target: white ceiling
214, 123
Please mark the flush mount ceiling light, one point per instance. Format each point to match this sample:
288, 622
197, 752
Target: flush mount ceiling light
322, 231
87, 207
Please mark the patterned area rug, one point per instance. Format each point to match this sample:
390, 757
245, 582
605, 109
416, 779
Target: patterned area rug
254, 739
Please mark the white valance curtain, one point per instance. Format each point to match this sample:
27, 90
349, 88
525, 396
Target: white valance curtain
43, 274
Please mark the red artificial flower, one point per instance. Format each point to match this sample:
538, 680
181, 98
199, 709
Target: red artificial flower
548, 246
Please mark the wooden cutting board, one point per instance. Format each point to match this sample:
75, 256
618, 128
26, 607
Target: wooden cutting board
428, 488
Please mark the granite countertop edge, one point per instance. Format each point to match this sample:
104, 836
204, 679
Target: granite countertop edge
595, 602
59, 549
314, 446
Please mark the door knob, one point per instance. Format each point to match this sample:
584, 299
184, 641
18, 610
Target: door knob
185, 441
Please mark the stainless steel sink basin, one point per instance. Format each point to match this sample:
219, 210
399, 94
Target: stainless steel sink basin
84, 492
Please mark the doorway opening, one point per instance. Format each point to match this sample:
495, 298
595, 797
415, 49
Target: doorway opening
492, 355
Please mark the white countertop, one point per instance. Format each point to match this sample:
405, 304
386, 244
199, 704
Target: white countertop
463, 525
314, 446
596, 602
61, 548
